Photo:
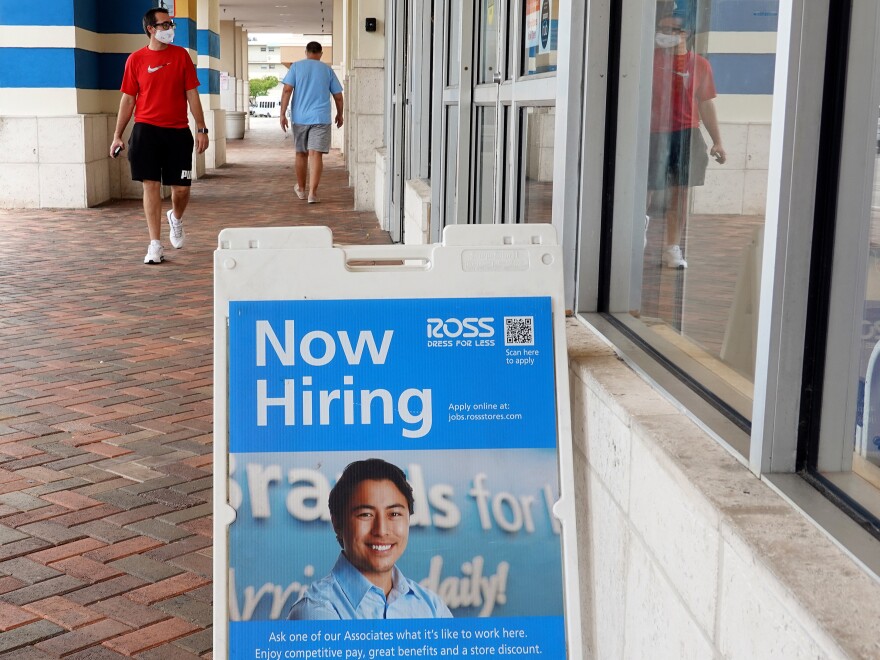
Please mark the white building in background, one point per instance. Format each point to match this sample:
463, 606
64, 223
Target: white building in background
264, 60
272, 54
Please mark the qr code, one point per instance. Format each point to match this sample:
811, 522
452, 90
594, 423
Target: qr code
519, 330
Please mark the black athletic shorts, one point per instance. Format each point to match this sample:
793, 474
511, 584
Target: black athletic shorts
678, 158
161, 154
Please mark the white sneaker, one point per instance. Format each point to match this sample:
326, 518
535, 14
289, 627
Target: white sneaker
177, 235
299, 191
313, 199
155, 254
672, 258
647, 222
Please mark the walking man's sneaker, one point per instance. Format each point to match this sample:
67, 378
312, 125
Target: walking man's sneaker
313, 199
299, 191
178, 235
155, 254
672, 258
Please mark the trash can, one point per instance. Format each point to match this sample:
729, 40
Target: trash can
235, 124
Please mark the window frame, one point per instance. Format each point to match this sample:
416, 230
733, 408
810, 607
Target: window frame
826, 451
769, 447
853, 196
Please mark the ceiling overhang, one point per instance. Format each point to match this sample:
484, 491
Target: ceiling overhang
295, 16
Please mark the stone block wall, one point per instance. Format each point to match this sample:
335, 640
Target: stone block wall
739, 187
215, 121
64, 162
684, 553
541, 132
59, 162
365, 121
380, 186
337, 135
417, 212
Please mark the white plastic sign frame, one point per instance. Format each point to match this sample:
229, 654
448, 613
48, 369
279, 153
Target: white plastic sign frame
448, 360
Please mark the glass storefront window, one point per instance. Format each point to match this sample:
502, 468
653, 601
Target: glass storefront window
540, 29
451, 156
484, 193
507, 176
697, 235
453, 74
488, 48
538, 133
866, 439
841, 454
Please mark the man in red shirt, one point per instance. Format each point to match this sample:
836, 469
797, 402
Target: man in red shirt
158, 82
681, 96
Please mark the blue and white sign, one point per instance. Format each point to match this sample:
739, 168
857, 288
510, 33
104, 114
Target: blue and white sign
333, 375
457, 392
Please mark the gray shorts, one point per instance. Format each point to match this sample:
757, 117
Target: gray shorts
311, 137
678, 158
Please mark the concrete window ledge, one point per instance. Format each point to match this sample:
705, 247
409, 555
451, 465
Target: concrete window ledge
417, 211
684, 553
381, 183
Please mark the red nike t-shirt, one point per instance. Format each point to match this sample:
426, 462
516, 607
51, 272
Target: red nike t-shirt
681, 83
159, 80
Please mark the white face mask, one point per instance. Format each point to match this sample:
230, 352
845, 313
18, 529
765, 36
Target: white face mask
165, 36
666, 40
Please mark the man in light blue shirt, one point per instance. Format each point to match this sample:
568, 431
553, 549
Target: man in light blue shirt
370, 507
312, 83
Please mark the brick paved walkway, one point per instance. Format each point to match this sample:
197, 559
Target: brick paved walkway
105, 411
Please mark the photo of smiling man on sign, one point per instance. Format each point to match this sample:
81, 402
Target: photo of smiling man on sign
370, 507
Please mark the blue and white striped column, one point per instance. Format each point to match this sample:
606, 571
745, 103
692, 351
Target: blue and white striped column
61, 64
208, 41
740, 44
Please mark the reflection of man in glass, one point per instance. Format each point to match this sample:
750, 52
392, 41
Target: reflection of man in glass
370, 507
681, 95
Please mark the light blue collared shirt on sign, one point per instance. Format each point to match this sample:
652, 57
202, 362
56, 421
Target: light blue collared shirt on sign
347, 594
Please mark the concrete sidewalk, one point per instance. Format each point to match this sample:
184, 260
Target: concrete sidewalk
105, 410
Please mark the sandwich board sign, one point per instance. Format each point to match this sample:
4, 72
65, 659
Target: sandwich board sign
392, 447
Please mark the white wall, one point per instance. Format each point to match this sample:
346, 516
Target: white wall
340, 27
364, 121
60, 162
364, 98
367, 45
379, 185
417, 212
263, 54
263, 70
233, 62
684, 553
739, 187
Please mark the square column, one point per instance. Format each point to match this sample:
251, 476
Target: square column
208, 28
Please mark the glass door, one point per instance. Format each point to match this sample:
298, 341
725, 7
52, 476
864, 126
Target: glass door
451, 165
514, 111
396, 128
499, 98
538, 131
489, 143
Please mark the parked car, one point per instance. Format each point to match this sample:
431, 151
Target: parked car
266, 108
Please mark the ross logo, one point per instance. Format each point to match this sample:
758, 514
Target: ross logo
153, 69
186, 174
469, 327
